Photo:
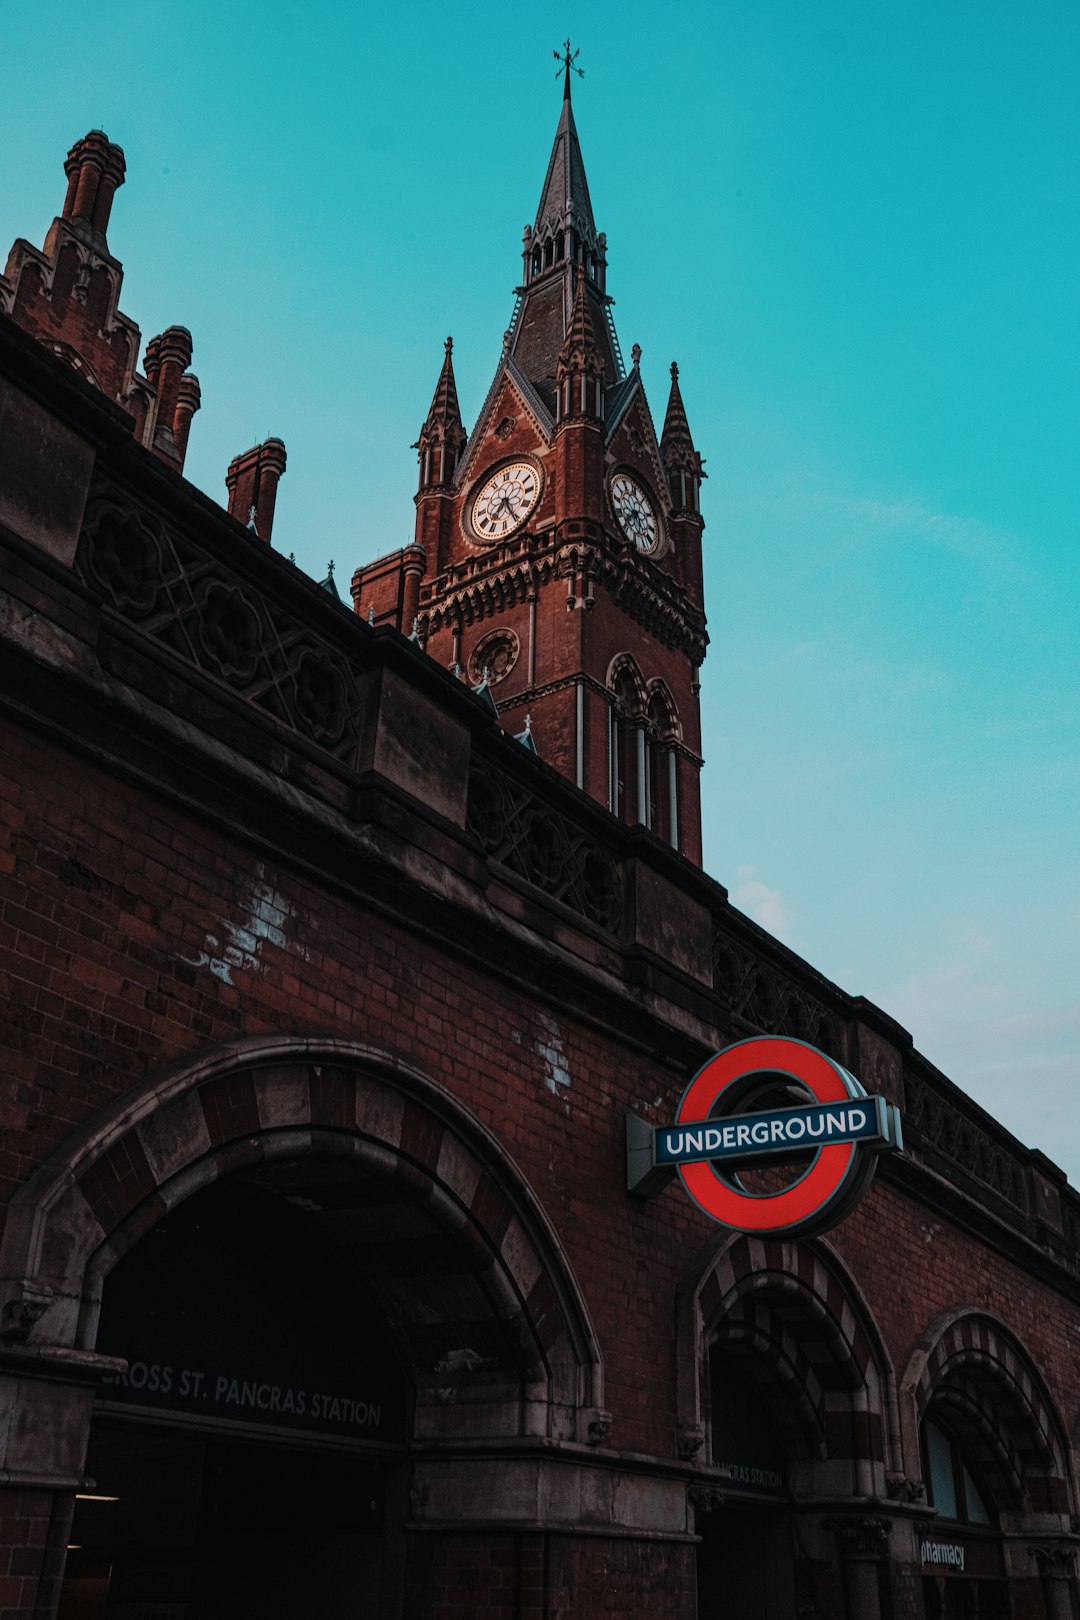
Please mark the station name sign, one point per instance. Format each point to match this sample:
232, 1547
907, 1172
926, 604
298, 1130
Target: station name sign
717, 1132
775, 1133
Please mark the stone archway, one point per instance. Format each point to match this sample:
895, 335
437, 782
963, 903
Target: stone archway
277, 1099
478, 1292
977, 1367
973, 1374
792, 1316
795, 1310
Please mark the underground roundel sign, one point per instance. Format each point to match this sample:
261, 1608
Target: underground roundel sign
756, 1104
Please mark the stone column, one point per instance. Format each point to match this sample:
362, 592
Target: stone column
862, 1543
46, 1399
1056, 1564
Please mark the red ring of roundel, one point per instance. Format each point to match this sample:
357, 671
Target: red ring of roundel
810, 1198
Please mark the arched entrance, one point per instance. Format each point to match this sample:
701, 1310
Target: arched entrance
995, 1465
249, 1459
745, 1557
413, 1275
790, 1390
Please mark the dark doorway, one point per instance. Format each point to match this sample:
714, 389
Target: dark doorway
181, 1527
250, 1460
745, 1562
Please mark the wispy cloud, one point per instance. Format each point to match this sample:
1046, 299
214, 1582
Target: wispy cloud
855, 519
760, 902
1023, 1067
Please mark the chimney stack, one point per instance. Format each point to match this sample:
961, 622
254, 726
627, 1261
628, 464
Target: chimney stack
252, 481
94, 169
165, 362
173, 356
188, 400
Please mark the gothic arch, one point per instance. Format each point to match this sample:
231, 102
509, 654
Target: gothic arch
74, 359
796, 1315
976, 1373
522, 1346
661, 709
623, 671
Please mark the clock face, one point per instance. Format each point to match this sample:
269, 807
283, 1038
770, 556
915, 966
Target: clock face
635, 513
504, 501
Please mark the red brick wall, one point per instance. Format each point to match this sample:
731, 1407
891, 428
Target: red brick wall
914, 1264
126, 942
24, 1530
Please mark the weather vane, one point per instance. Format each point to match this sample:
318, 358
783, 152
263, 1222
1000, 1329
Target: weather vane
566, 60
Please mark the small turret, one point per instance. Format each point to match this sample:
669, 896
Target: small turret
442, 437
579, 370
683, 465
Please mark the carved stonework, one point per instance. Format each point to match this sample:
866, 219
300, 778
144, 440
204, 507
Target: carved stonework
861, 1538
20, 1313
547, 849
183, 598
961, 1140
690, 1441
597, 1425
478, 588
123, 559
763, 995
229, 631
1056, 1563
494, 656
900, 1489
706, 1498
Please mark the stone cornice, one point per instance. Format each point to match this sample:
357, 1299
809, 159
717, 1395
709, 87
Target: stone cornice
486, 584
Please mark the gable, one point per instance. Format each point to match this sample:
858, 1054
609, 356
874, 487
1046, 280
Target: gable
512, 418
634, 444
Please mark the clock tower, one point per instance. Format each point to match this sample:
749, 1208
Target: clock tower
557, 554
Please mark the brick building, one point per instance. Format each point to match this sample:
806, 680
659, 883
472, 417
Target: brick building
335, 946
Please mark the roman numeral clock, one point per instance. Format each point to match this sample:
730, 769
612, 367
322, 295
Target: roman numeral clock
503, 502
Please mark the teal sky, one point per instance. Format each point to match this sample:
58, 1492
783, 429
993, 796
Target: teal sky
855, 227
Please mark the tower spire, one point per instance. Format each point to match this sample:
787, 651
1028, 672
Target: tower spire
562, 246
564, 201
566, 58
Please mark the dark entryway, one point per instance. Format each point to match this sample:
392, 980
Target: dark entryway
250, 1461
180, 1527
745, 1559
744, 1563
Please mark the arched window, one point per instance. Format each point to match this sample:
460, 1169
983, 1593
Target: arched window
960, 1553
659, 817
662, 765
950, 1482
627, 750
643, 738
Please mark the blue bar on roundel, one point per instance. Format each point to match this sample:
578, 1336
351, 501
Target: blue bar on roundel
784, 1130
